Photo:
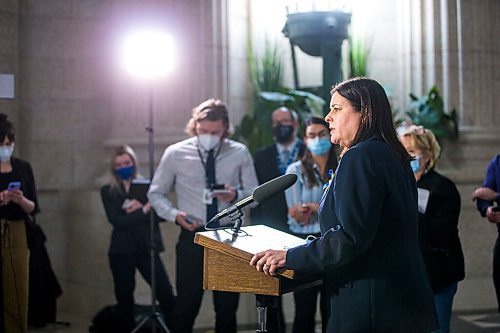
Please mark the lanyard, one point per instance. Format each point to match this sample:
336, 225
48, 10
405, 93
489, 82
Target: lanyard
319, 177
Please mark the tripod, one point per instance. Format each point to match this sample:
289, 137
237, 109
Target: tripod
154, 316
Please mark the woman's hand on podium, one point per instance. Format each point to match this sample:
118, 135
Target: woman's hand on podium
269, 261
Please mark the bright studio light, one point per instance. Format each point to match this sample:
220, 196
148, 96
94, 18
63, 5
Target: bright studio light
148, 54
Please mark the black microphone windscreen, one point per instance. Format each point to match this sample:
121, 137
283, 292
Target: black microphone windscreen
273, 186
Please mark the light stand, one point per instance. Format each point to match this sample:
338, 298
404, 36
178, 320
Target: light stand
154, 316
148, 54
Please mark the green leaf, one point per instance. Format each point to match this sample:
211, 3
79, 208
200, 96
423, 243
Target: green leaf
275, 97
428, 111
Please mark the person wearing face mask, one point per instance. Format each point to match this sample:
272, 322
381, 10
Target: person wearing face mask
129, 249
439, 210
271, 162
208, 172
302, 198
18, 206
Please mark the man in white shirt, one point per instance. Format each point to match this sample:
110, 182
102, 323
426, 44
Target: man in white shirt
193, 168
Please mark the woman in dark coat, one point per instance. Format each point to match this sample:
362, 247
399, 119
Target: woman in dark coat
130, 241
18, 206
438, 212
368, 252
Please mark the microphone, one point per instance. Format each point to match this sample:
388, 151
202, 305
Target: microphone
260, 194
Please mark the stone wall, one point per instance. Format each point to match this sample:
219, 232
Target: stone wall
74, 105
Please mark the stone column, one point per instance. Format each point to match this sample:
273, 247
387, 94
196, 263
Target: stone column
454, 44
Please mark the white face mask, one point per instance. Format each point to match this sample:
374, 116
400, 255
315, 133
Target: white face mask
6, 152
208, 141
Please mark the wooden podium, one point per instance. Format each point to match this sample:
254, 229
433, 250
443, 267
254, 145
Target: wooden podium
226, 264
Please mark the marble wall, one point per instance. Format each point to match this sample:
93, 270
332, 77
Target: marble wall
74, 104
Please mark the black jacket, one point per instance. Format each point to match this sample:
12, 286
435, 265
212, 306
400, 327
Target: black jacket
438, 228
369, 251
273, 212
130, 231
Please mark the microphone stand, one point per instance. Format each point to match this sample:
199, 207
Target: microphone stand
263, 302
154, 316
235, 215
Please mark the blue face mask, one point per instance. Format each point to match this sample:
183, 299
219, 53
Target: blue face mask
125, 173
415, 164
6, 153
319, 146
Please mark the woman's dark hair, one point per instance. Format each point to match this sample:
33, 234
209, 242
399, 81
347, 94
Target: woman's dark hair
368, 97
6, 128
308, 162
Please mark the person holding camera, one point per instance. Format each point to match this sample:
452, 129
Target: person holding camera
208, 172
486, 196
130, 242
18, 206
438, 212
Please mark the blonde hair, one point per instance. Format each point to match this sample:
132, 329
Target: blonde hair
122, 150
213, 110
424, 140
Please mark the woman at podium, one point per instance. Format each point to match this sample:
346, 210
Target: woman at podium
368, 253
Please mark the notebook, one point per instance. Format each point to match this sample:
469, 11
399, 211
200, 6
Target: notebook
139, 189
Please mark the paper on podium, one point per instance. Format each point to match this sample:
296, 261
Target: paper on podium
253, 239
226, 261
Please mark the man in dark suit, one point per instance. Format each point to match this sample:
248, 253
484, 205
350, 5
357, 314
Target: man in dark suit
271, 162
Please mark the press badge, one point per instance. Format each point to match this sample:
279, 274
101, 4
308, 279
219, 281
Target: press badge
207, 197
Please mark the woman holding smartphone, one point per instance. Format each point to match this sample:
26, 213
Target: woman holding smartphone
18, 205
130, 243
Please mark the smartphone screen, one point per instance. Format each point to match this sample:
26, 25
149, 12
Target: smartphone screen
14, 186
220, 188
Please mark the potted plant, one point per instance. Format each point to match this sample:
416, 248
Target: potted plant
269, 94
428, 111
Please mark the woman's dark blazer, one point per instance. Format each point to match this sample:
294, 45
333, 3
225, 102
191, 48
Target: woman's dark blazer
369, 254
438, 229
130, 231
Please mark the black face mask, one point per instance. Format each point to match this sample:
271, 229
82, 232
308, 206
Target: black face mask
283, 133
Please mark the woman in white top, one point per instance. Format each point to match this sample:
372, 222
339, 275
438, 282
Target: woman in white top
313, 170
